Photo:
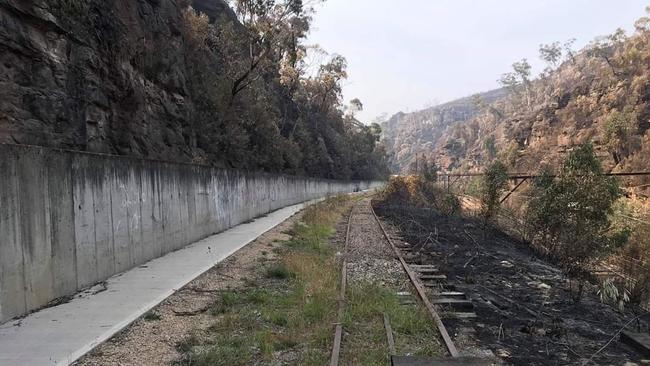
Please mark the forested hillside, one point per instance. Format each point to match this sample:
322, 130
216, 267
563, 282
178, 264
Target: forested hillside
599, 94
206, 81
408, 136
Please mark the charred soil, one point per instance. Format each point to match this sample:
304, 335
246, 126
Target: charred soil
526, 314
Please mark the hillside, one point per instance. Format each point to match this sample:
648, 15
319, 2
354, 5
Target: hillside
407, 135
180, 80
599, 95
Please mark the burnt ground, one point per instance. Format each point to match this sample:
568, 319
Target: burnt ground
526, 314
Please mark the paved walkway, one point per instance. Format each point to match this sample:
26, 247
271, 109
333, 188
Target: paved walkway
60, 335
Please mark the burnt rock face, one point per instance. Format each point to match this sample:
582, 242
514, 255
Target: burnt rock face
102, 76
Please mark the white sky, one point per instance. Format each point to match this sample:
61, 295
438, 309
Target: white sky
409, 54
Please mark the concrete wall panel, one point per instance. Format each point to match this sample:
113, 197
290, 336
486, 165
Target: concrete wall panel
12, 285
122, 196
35, 234
62, 227
104, 225
69, 220
84, 222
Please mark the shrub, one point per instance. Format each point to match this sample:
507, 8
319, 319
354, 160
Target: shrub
490, 147
74, 8
430, 172
418, 191
405, 190
618, 131
570, 214
511, 154
492, 186
279, 271
609, 293
151, 316
447, 202
633, 260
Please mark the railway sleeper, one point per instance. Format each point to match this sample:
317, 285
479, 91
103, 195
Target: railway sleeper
427, 270
406, 299
459, 315
456, 304
433, 277
452, 295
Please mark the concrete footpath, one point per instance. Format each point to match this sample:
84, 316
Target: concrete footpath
61, 334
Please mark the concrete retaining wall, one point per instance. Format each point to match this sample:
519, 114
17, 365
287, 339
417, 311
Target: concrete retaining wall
69, 219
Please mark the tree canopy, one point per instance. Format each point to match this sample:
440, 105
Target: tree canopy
264, 110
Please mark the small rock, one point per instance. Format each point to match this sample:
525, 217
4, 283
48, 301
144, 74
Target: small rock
507, 264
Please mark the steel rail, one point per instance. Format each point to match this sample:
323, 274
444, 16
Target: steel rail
420, 290
338, 332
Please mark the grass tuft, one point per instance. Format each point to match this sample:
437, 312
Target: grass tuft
412, 327
151, 316
279, 271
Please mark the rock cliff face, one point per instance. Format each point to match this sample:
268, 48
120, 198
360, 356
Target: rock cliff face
156, 79
407, 136
102, 76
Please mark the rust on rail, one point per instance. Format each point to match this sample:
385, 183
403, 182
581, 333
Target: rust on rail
420, 290
338, 333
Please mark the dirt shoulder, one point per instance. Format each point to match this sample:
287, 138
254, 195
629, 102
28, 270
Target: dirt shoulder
154, 339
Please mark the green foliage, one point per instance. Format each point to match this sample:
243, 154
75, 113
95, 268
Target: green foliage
366, 305
633, 259
447, 202
551, 53
518, 81
473, 187
151, 316
490, 147
279, 271
492, 186
609, 293
430, 172
261, 108
570, 214
455, 146
511, 154
618, 131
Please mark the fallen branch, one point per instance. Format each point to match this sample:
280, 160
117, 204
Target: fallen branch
612, 339
193, 312
470, 260
531, 312
204, 291
566, 345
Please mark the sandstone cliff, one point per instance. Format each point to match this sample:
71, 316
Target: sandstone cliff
102, 76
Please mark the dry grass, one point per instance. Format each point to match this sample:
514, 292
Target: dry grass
633, 260
286, 315
416, 191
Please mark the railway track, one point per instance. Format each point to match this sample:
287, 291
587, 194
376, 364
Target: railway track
338, 332
440, 295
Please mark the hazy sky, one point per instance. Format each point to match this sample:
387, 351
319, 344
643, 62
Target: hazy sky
406, 55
